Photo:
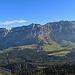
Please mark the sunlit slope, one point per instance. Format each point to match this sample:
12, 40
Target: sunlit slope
55, 50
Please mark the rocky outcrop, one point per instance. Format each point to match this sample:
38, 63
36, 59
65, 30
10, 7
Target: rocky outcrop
52, 33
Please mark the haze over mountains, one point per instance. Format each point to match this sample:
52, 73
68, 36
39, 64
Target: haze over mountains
62, 33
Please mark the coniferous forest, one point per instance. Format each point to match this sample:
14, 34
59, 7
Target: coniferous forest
65, 69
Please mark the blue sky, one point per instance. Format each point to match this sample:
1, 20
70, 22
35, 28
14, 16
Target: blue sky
15, 13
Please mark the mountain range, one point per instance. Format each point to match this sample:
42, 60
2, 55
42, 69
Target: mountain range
56, 33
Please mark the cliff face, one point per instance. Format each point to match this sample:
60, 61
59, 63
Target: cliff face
51, 33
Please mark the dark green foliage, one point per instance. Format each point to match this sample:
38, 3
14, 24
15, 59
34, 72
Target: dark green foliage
65, 69
19, 67
28, 59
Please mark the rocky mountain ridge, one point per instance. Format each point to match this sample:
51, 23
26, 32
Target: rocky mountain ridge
54, 33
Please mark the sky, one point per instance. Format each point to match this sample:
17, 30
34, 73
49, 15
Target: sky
14, 13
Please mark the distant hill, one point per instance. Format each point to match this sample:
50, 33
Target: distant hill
56, 33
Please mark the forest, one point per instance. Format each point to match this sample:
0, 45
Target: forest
65, 69
20, 59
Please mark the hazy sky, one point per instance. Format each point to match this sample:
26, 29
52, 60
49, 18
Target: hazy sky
15, 13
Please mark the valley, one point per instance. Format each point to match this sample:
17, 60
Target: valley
35, 46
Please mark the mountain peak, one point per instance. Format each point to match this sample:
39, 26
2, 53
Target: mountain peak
54, 32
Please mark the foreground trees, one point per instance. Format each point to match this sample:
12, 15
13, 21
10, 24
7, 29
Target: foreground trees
65, 69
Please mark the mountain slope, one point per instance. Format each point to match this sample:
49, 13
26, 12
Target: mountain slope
54, 33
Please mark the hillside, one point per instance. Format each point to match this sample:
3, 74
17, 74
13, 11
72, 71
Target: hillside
36, 46
65, 69
23, 58
62, 33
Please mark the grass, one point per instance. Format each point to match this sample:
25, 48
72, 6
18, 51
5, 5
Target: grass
62, 53
19, 48
41, 67
52, 48
45, 47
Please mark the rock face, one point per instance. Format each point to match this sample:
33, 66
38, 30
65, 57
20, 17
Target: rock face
52, 33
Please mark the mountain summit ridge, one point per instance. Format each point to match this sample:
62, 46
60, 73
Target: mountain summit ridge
53, 32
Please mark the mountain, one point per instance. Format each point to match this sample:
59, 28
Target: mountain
36, 46
62, 33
